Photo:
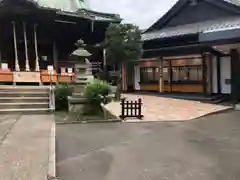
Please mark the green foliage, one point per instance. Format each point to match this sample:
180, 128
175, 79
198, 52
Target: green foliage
62, 92
123, 43
98, 92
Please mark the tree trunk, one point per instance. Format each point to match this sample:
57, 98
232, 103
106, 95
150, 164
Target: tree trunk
124, 77
119, 89
119, 83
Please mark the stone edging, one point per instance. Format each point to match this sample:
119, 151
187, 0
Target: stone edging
90, 122
52, 154
217, 112
237, 107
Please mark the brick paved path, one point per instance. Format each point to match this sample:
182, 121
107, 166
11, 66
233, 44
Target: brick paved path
168, 109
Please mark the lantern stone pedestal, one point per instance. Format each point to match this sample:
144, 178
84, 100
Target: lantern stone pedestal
83, 68
77, 101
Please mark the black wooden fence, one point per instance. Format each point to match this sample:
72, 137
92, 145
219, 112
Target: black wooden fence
131, 109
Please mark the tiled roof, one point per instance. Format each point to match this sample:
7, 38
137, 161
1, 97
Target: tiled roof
92, 15
100, 16
74, 8
234, 2
64, 5
77, 8
213, 25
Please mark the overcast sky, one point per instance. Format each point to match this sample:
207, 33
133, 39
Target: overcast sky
140, 12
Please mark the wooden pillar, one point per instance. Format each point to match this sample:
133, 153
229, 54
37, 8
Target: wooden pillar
55, 56
17, 68
0, 57
161, 81
219, 74
210, 73
207, 73
0, 49
170, 75
234, 75
105, 64
26, 47
204, 70
37, 68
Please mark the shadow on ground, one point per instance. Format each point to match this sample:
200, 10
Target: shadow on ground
207, 148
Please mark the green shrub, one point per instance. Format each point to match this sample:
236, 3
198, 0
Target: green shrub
98, 92
62, 92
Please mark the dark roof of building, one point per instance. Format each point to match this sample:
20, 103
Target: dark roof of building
91, 15
207, 26
68, 9
234, 5
100, 16
158, 31
234, 2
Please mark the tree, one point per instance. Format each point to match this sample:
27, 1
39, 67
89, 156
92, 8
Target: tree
123, 45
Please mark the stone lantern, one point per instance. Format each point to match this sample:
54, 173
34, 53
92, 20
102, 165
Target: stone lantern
83, 72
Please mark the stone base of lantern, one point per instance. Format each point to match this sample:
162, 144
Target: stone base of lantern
76, 104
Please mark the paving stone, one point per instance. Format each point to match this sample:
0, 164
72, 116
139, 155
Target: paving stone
168, 109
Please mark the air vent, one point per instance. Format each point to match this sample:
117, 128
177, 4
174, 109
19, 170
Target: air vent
193, 2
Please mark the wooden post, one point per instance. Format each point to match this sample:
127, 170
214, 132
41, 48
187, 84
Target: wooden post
105, 64
131, 108
92, 26
140, 116
26, 47
55, 56
37, 68
135, 108
161, 81
17, 68
127, 107
0, 50
0, 57
208, 61
122, 116
234, 75
170, 75
204, 65
219, 74
210, 74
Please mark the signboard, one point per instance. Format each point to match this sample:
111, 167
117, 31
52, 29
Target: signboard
50, 68
26, 77
228, 81
4, 65
44, 58
70, 70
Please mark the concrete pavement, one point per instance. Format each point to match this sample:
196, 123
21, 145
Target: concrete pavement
203, 149
25, 146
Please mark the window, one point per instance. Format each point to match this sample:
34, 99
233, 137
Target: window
187, 70
183, 70
149, 75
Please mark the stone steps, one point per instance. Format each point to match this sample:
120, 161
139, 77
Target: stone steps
23, 90
28, 105
23, 94
25, 111
24, 99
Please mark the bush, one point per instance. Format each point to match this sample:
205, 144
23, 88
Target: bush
61, 96
98, 92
